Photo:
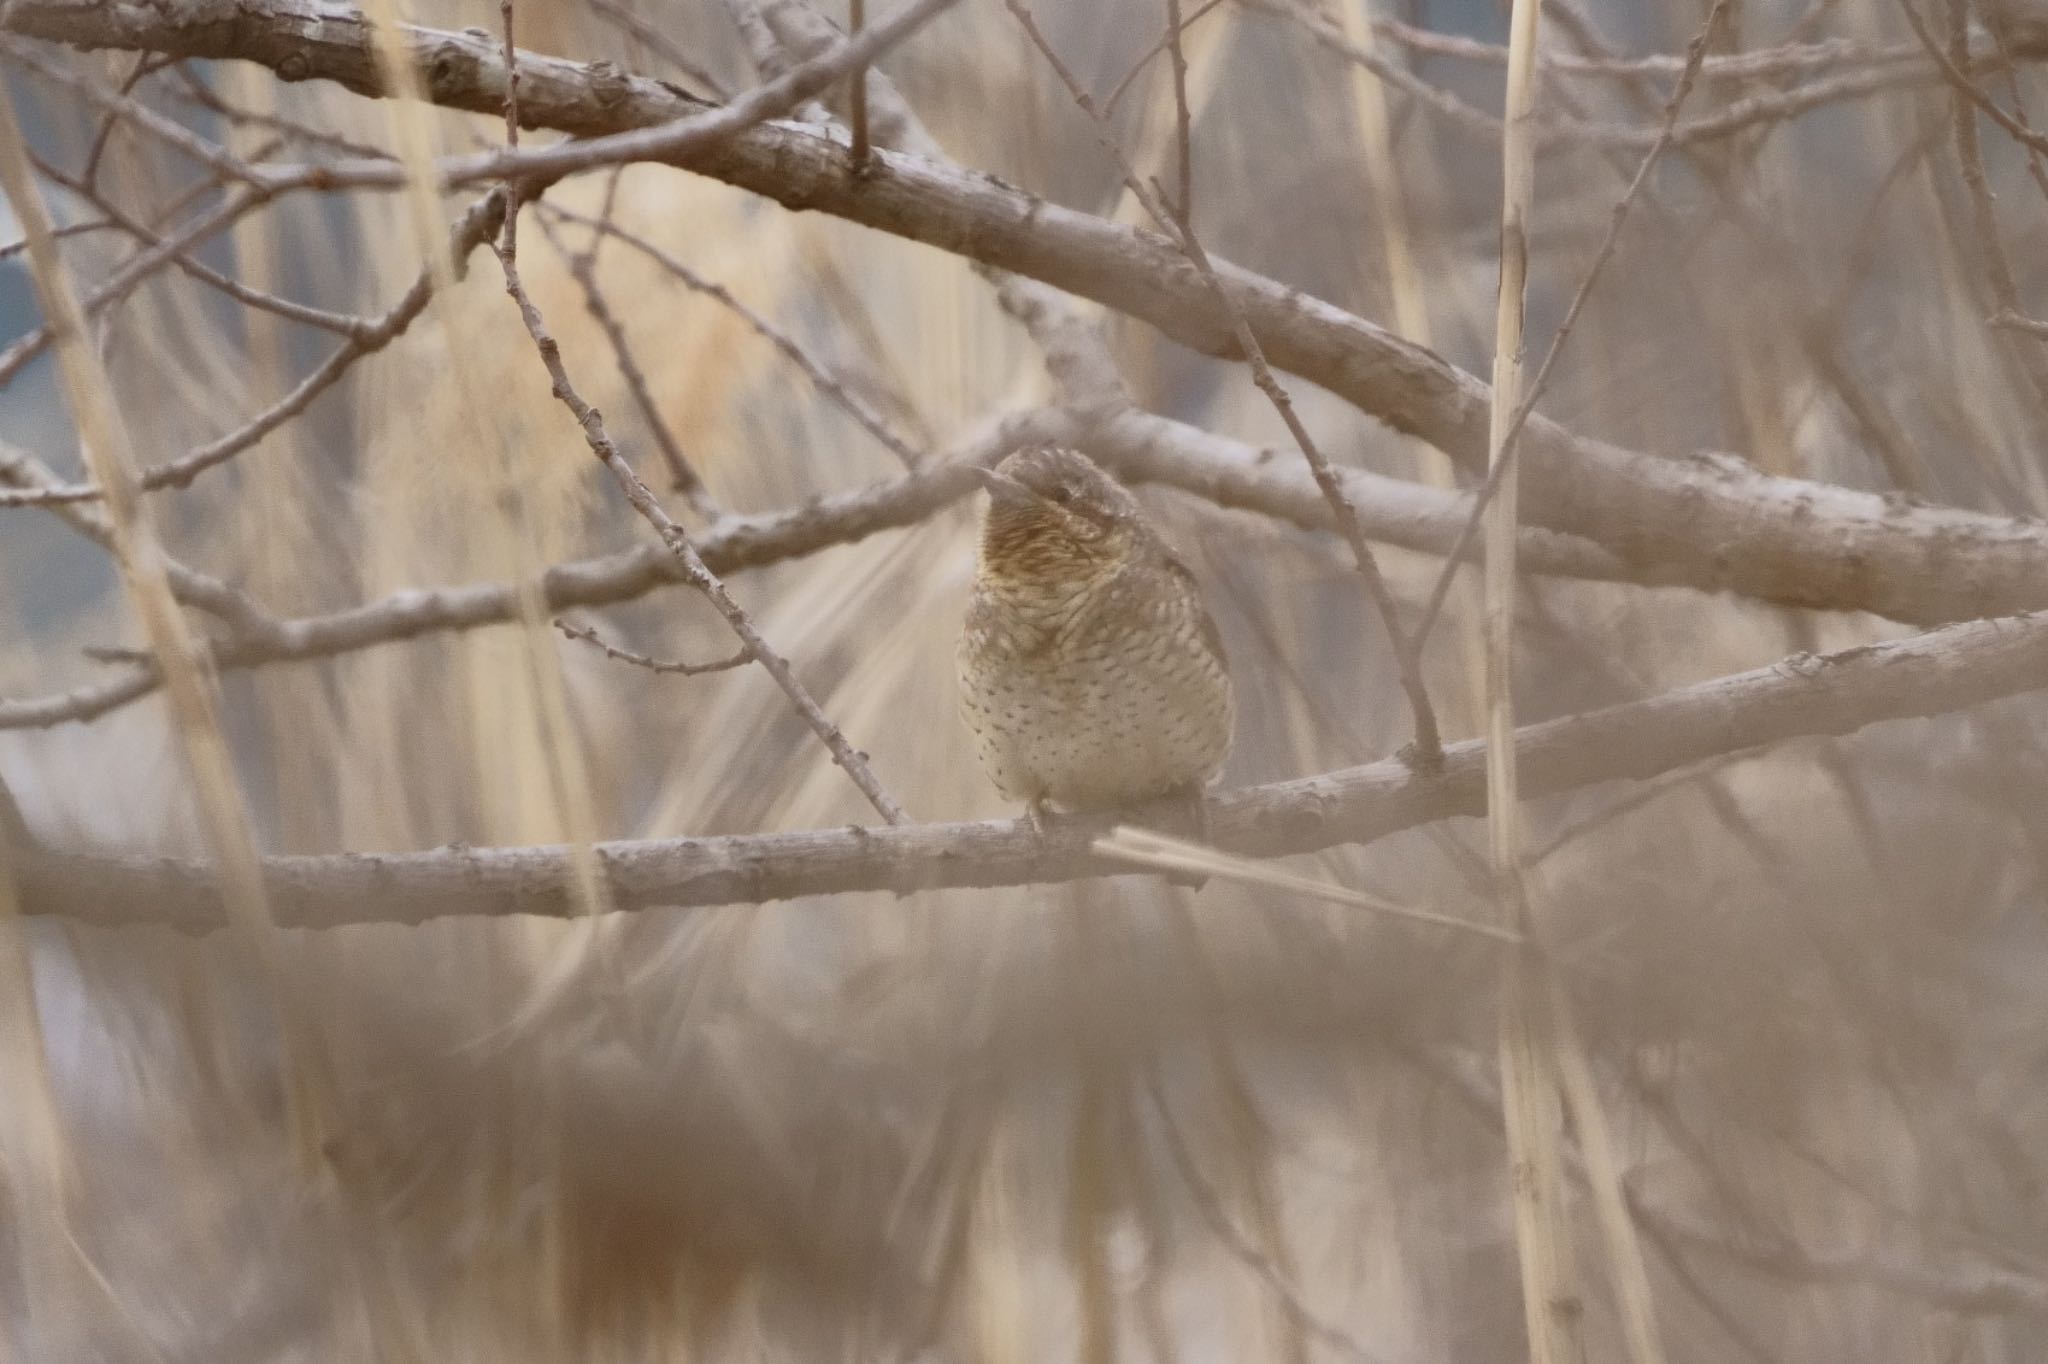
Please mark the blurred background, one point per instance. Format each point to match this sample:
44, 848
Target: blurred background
1106, 1120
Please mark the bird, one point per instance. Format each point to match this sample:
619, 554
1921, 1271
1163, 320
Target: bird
1091, 674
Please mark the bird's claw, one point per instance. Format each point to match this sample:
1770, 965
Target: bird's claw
1040, 816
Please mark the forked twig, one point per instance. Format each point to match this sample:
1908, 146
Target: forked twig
679, 545
654, 665
1695, 54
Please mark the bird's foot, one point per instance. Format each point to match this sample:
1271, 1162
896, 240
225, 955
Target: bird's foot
1039, 813
1422, 761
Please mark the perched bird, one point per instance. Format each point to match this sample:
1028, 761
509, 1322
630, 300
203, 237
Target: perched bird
1090, 672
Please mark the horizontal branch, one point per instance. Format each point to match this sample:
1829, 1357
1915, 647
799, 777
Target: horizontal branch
1138, 445
1927, 674
1144, 448
731, 544
1711, 520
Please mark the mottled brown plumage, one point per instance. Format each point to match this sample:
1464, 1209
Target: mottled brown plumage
1090, 673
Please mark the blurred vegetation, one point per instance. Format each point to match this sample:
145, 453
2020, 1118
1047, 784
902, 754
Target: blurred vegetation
1112, 1119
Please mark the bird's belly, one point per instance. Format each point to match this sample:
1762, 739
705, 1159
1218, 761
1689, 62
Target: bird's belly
1106, 728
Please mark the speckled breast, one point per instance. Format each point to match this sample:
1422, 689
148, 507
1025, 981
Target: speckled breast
1098, 699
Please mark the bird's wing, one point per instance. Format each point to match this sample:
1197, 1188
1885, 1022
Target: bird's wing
1203, 620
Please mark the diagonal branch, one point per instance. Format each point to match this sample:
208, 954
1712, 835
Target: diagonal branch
1179, 226
734, 543
1929, 674
369, 335
1801, 543
694, 570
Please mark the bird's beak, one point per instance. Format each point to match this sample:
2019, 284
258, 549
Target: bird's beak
1003, 488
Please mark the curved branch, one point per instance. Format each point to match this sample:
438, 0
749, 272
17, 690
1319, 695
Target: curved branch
1927, 674
1711, 519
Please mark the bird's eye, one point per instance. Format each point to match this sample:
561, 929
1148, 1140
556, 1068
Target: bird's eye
1063, 492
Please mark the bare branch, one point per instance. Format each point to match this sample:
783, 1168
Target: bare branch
695, 572
1930, 674
1504, 464
654, 665
827, 383
734, 543
1428, 741
368, 336
1804, 543
658, 43
683, 477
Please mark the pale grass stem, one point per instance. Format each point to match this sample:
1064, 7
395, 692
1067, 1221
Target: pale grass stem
104, 441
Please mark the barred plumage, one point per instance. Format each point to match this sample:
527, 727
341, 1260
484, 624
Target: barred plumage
1090, 672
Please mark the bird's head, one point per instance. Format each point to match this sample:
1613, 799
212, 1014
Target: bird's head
1052, 511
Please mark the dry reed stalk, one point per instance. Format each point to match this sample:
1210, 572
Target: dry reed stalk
547, 725
1149, 849
1552, 1299
178, 656
39, 1173
409, 119
1625, 1261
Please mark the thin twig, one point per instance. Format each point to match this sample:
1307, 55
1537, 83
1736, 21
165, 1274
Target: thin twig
178, 657
167, 132
1966, 87
683, 477
1428, 742
374, 335
198, 92
343, 324
146, 65
1770, 63
1642, 795
830, 385
129, 274
1997, 264
695, 573
1996, 21
13, 249
1183, 121
655, 665
1501, 468
658, 43
2014, 322
1886, 71
229, 604
857, 92
1117, 93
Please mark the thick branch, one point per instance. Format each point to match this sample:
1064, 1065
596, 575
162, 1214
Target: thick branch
1713, 520
1928, 674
